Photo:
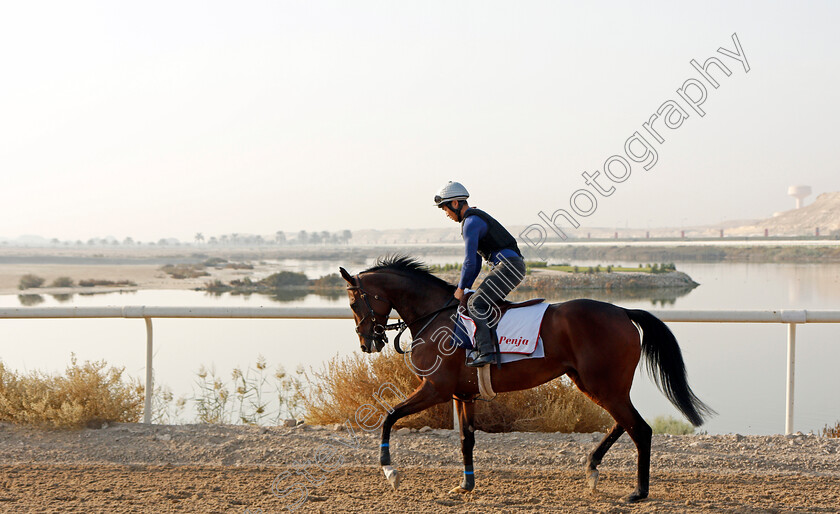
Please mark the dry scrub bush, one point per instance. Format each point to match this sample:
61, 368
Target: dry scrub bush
182, 271
62, 282
30, 281
86, 394
93, 282
334, 392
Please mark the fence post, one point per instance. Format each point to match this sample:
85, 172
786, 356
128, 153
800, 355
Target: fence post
791, 371
147, 405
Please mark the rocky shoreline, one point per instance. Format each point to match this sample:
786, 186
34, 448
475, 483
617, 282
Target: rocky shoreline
550, 281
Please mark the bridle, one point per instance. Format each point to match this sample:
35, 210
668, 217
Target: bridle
378, 335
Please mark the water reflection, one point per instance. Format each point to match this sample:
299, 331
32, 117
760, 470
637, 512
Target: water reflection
280, 295
288, 295
657, 297
30, 300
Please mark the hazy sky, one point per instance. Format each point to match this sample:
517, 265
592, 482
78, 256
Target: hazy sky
163, 119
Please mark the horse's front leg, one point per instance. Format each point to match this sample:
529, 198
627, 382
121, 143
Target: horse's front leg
466, 415
422, 398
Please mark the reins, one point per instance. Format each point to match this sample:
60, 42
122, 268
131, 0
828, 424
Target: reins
405, 325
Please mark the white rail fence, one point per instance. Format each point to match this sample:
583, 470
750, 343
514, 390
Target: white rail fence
789, 317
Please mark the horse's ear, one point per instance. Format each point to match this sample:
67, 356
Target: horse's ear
346, 276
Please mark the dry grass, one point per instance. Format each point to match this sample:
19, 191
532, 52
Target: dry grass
334, 392
86, 395
256, 396
829, 431
670, 425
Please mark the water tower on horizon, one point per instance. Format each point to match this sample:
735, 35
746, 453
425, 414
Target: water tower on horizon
800, 193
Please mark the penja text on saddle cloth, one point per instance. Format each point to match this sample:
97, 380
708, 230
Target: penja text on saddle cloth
518, 332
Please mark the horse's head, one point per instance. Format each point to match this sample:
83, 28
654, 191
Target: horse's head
370, 312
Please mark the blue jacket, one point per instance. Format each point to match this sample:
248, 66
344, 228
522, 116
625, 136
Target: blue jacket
474, 229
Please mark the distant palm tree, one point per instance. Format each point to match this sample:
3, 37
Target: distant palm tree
279, 237
199, 237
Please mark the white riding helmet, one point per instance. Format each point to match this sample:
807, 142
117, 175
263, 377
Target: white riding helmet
451, 191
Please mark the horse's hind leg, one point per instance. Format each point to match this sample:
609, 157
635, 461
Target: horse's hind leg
598, 453
594, 458
629, 418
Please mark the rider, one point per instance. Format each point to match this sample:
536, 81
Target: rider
484, 237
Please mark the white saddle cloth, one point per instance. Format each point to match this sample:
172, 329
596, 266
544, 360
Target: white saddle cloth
518, 331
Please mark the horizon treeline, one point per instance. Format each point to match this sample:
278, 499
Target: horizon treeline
280, 237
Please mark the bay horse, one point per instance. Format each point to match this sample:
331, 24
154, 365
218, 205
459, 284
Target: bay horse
596, 344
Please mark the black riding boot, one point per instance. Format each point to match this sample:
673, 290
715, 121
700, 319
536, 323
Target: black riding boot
498, 283
485, 346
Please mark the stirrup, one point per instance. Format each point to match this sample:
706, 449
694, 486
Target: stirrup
480, 360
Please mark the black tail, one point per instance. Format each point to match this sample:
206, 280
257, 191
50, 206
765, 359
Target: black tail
666, 367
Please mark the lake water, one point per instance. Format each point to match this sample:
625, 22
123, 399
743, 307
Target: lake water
738, 369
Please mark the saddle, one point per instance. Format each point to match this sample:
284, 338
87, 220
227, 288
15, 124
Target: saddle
503, 306
500, 309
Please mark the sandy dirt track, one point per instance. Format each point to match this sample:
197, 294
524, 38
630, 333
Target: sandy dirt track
200, 468
110, 488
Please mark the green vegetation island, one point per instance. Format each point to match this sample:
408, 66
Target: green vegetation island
540, 278
544, 278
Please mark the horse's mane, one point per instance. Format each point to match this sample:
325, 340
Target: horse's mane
408, 266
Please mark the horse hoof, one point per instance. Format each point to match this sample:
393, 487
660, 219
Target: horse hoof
592, 479
459, 490
392, 475
636, 497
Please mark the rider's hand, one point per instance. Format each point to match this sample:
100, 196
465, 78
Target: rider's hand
459, 293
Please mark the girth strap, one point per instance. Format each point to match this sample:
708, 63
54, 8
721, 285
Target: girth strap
485, 386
